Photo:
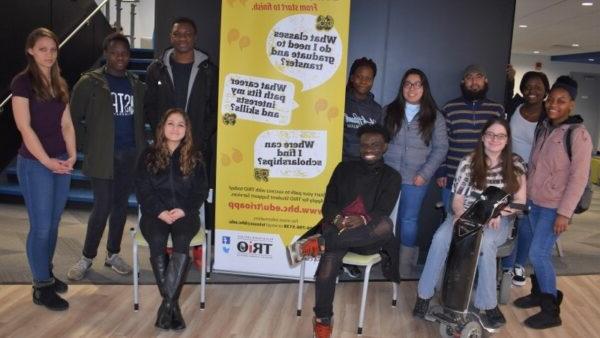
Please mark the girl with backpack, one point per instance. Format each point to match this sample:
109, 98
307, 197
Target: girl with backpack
558, 174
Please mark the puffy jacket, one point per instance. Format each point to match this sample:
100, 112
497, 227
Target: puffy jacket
554, 181
201, 99
92, 113
169, 189
410, 156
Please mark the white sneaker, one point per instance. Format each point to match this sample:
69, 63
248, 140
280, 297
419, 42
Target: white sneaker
78, 271
519, 278
117, 263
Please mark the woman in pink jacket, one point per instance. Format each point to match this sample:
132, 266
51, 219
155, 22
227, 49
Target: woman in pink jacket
556, 181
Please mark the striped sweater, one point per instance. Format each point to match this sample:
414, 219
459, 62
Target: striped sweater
464, 120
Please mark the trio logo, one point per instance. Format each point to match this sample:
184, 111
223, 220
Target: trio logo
256, 248
225, 240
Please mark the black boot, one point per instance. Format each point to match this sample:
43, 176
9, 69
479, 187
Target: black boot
550, 314
159, 267
421, 307
59, 286
45, 294
532, 299
175, 278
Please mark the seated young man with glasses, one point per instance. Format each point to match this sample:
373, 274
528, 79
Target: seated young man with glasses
491, 164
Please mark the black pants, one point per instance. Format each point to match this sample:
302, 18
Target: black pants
366, 240
156, 233
110, 198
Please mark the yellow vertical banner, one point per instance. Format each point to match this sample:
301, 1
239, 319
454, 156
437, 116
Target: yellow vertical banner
281, 110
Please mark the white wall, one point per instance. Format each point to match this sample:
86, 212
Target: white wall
144, 19
524, 63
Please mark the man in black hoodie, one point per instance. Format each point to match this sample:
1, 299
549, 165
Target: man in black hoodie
358, 201
184, 77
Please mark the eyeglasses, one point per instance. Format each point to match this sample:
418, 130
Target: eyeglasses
491, 136
415, 85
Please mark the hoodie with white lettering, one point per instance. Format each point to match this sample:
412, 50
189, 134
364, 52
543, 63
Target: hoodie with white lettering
357, 113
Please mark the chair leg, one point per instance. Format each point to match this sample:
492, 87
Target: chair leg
136, 303
395, 294
300, 289
203, 277
363, 300
209, 251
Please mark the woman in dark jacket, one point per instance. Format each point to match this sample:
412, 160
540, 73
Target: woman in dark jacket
171, 186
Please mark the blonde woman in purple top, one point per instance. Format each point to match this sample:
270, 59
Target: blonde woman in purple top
46, 158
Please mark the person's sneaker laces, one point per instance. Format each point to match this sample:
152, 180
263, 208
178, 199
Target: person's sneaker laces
79, 269
115, 262
519, 278
493, 318
322, 328
351, 271
421, 307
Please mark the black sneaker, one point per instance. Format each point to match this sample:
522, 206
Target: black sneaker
519, 278
351, 271
493, 318
421, 307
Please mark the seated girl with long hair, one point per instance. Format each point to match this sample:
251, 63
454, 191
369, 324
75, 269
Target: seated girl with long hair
171, 186
491, 164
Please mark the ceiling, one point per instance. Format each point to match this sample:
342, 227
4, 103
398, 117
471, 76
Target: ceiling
553, 26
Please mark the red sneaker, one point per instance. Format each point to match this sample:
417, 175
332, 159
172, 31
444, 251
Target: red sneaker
321, 329
305, 247
311, 247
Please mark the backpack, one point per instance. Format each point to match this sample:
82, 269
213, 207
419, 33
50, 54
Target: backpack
586, 198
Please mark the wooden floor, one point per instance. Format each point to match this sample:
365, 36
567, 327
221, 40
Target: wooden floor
267, 311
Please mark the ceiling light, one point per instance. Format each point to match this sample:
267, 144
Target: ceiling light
575, 45
587, 3
591, 60
522, 26
536, 52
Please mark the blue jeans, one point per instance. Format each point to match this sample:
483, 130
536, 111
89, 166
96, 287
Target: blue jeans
447, 199
542, 243
407, 226
518, 257
45, 195
485, 294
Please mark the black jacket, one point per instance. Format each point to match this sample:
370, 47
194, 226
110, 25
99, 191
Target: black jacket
201, 100
378, 184
92, 113
169, 189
